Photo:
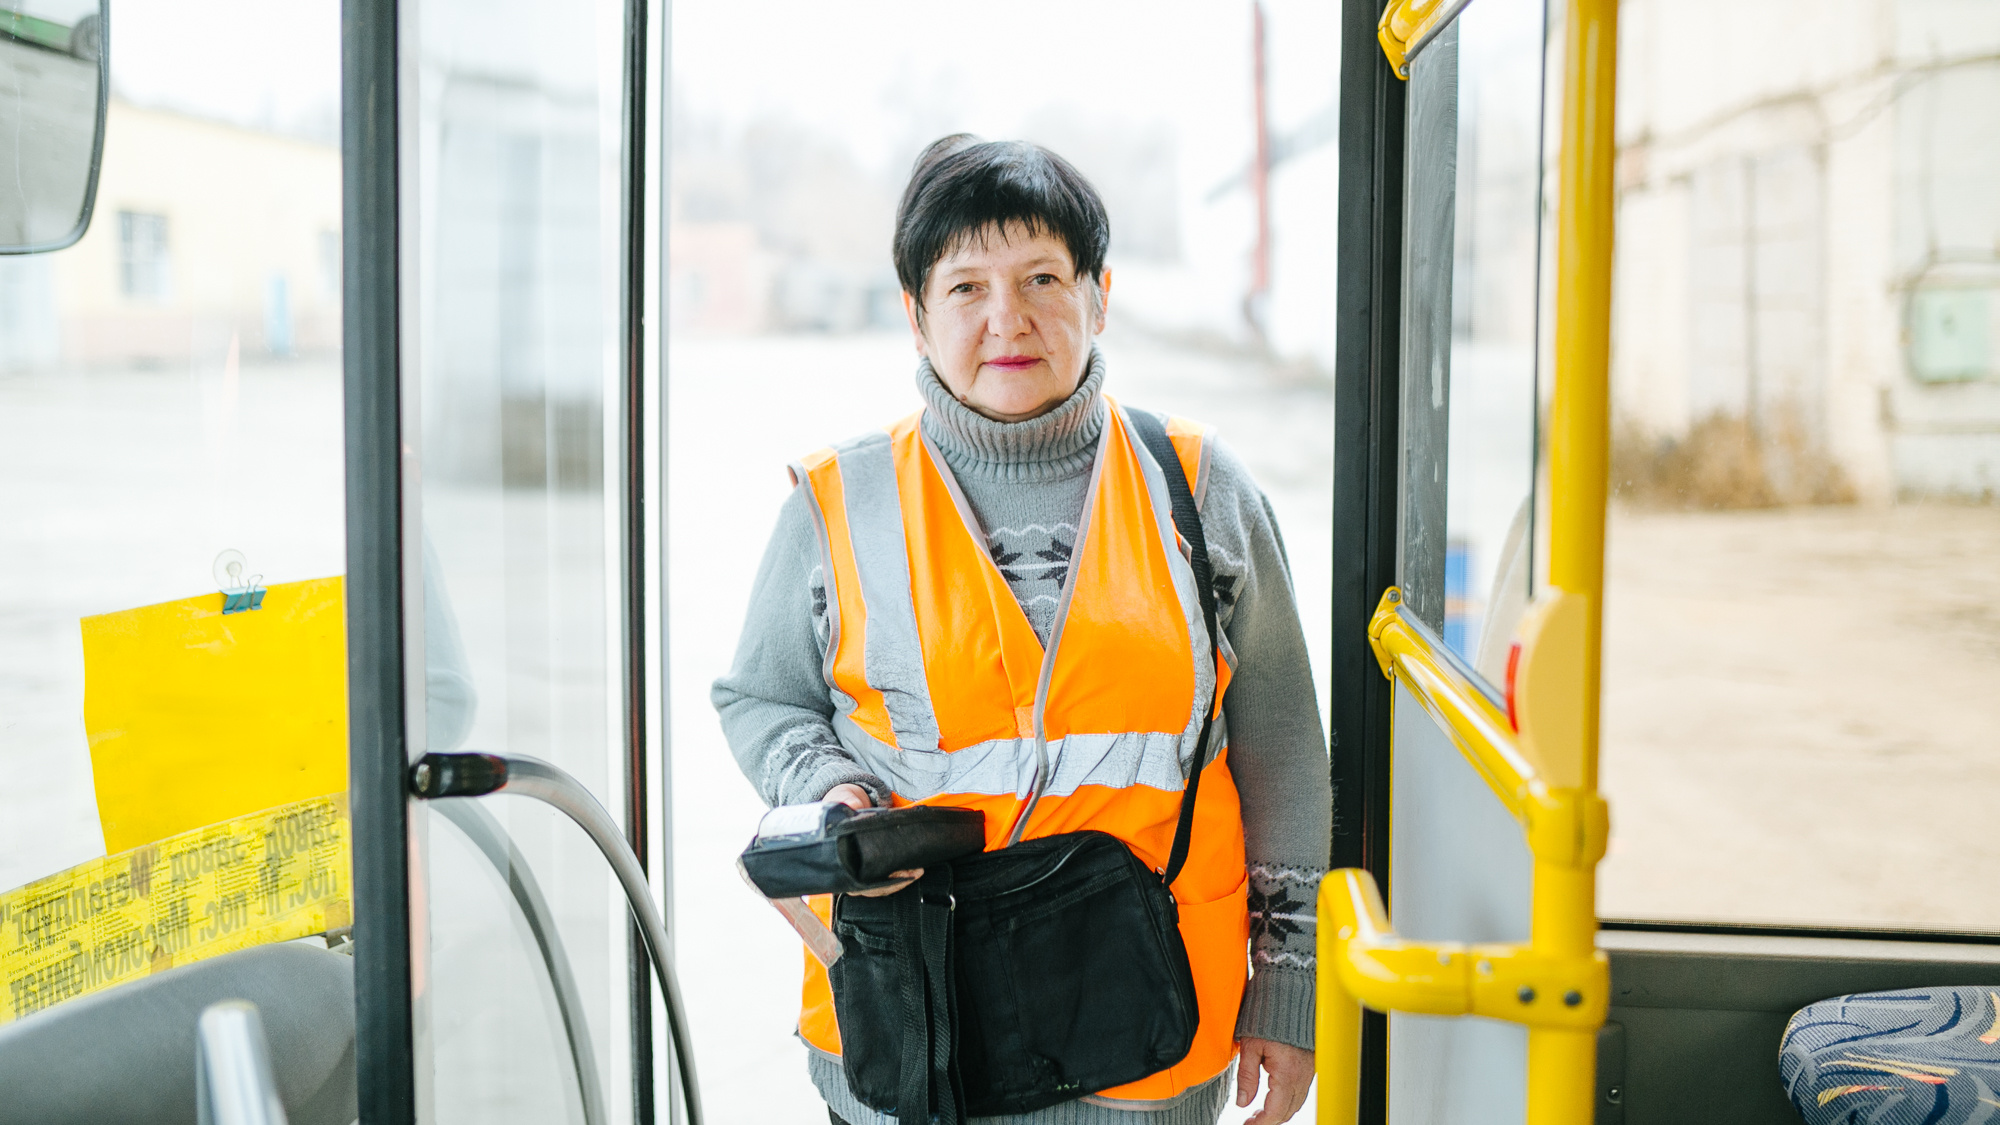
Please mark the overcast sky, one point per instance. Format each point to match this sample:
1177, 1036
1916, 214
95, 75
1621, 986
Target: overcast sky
868, 72
274, 63
872, 73
883, 76
879, 76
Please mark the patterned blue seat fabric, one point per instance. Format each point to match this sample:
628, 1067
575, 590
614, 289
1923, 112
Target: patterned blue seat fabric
1920, 1056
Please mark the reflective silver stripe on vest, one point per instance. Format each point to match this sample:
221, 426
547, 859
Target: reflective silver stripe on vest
893, 657
842, 702
1006, 766
892, 652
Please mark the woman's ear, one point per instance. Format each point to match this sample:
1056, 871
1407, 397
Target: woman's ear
1103, 299
917, 322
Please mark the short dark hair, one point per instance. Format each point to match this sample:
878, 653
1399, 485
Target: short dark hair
962, 185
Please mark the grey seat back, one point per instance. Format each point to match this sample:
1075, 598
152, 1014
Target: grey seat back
127, 1056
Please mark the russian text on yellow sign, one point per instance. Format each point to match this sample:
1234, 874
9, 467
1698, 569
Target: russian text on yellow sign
195, 717
271, 876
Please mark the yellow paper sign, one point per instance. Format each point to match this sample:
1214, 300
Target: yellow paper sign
272, 876
196, 717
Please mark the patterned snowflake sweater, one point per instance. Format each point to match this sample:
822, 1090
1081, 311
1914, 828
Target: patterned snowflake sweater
1026, 483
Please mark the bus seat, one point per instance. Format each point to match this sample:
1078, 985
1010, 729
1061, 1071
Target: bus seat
1916, 1056
126, 1056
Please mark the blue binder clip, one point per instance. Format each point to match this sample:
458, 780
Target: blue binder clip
239, 594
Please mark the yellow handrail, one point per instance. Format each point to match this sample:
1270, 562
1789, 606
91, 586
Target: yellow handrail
1546, 774
1363, 962
1408, 26
1557, 984
1580, 412
1565, 824
1479, 728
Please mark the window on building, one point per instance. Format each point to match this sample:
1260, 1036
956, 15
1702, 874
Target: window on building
142, 255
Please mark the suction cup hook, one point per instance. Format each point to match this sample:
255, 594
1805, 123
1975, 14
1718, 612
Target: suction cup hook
231, 570
240, 591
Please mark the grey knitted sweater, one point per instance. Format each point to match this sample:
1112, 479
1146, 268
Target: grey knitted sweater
1026, 483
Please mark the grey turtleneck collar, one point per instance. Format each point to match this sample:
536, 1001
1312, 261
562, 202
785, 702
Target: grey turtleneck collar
1059, 444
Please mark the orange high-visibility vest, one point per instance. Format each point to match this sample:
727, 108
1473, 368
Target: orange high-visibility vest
942, 689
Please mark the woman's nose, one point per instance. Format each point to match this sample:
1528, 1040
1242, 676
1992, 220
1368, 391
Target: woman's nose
1008, 317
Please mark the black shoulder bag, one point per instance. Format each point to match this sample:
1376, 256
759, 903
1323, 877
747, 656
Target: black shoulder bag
1017, 979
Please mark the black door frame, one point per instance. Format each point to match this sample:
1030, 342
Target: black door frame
1367, 396
385, 1040
378, 754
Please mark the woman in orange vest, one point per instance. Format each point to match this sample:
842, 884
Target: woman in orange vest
987, 605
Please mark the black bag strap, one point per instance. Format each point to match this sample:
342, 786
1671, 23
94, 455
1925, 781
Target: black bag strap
1187, 520
932, 1090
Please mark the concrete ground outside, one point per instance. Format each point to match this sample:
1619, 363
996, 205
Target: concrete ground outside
1802, 716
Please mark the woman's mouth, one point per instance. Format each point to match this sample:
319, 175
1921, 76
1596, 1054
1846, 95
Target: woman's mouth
1014, 362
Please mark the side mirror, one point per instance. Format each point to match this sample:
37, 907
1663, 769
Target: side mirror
55, 78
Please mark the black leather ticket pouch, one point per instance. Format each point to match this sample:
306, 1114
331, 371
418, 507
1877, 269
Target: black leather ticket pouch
829, 848
1068, 977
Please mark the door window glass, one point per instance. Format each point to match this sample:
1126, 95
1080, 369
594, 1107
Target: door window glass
1802, 630
1458, 870
1473, 241
513, 262
173, 757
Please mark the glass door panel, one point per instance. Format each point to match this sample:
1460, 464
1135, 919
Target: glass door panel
1459, 869
515, 125
1497, 248
173, 758
1472, 283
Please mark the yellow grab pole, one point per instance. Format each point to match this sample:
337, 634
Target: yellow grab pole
1562, 1063
1580, 416
1337, 1023
1562, 1077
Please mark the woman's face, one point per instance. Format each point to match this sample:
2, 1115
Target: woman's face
1007, 324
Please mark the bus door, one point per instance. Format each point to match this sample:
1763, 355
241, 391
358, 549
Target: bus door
241, 731
1477, 770
500, 522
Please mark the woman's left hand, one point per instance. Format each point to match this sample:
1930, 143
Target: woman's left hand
1291, 1071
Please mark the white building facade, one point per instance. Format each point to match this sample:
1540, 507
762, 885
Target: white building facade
1809, 233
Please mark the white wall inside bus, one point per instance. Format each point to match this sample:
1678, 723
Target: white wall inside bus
1458, 871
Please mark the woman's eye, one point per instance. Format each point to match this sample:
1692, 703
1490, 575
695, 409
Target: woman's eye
1043, 279
962, 287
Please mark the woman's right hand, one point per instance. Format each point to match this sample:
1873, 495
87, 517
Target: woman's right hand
851, 795
855, 797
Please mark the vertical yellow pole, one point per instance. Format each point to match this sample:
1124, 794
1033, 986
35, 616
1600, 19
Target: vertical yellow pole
1562, 1064
1580, 417
1337, 1023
